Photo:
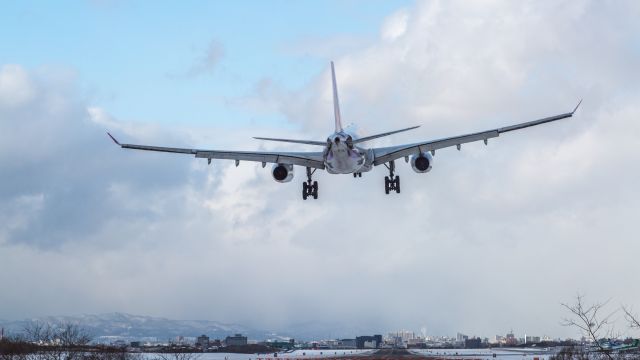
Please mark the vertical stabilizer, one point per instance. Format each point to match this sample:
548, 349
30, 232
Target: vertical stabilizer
336, 104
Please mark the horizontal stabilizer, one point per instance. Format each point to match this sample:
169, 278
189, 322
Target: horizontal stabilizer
306, 142
367, 138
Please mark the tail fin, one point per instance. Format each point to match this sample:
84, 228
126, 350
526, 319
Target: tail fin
336, 104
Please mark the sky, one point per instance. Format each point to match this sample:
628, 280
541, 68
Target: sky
494, 238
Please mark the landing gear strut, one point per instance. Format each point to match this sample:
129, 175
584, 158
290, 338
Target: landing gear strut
391, 182
309, 188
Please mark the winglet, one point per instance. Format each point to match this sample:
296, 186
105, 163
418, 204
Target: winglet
114, 139
577, 106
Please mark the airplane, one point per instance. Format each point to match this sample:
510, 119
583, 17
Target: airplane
343, 152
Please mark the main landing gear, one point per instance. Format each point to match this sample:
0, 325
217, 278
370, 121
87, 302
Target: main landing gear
357, 174
309, 188
391, 182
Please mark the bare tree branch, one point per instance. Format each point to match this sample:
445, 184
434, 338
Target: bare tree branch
631, 317
588, 319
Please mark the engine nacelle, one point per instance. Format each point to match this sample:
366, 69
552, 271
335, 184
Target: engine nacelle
282, 172
421, 163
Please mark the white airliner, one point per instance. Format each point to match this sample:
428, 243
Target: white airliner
343, 152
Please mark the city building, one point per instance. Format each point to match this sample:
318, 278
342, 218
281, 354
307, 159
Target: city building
215, 343
347, 344
498, 339
472, 343
202, 341
417, 343
280, 344
531, 339
236, 340
368, 342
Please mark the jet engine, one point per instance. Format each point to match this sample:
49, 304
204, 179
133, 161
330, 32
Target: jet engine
421, 163
282, 172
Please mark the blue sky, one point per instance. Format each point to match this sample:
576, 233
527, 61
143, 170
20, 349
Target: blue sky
134, 56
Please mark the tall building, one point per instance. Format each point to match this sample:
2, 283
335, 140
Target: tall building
510, 339
236, 340
461, 338
202, 341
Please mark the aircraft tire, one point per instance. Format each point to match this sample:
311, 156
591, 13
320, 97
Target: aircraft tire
398, 184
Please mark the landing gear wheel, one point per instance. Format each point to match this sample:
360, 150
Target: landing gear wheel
391, 182
309, 188
315, 190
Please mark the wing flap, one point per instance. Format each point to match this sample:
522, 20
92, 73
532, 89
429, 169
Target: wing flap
313, 160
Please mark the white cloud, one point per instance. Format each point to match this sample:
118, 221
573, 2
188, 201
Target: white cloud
395, 25
15, 87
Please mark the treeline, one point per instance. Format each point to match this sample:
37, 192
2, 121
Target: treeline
43, 341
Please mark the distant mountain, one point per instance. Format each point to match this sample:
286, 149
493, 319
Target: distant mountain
127, 326
120, 326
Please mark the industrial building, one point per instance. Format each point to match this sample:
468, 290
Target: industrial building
368, 342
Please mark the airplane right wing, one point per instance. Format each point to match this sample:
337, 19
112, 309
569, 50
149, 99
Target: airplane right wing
307, 159
387, 154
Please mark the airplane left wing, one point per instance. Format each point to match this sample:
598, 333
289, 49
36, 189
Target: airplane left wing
307, 159
387, 154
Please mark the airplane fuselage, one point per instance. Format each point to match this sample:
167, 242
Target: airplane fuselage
342, 157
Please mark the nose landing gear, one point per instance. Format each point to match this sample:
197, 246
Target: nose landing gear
391, 182
309, 188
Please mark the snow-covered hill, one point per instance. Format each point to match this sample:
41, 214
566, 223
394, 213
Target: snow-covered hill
120, 325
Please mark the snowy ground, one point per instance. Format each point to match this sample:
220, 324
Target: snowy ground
297, 354
487, 354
